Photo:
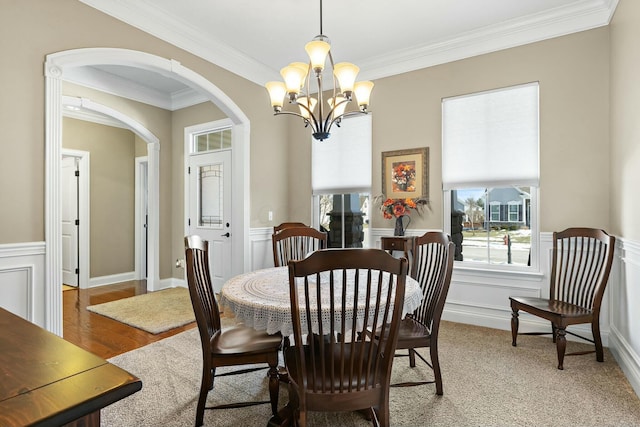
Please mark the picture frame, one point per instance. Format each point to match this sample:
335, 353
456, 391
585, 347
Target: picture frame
405, 173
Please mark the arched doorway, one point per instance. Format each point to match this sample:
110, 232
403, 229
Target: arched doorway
55, 67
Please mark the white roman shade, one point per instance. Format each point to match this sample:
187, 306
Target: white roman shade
342, 163
491, 139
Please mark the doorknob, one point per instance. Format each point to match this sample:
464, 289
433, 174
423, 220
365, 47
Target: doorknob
226, 234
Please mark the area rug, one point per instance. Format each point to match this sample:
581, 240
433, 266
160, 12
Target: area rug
154, 312
487, 382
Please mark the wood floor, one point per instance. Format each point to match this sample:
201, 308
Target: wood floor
99, 334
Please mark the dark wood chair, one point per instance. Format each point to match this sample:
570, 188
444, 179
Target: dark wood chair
234, 346
330, 368
582, 259
398, 246
284, 225
295, 243
432, 265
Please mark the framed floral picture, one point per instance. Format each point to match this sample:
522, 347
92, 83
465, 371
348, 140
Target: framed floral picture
405, 173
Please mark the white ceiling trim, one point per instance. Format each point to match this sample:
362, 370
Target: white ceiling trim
118, 86
579, 16
555, 23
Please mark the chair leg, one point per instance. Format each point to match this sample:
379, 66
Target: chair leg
597, 340
412, 358
435, 361
205, 386
514, 325
382, 414
274, 388
561, 344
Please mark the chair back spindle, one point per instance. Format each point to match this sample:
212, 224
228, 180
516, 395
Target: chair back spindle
295, 243
579, 267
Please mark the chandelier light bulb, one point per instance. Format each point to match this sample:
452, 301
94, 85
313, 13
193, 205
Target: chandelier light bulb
363, 92
346, 74
293, 76
309, 102
317, 51
339, 104
277, 92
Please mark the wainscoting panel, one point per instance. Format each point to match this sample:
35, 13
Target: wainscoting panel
624, 308
261, 248
22, 280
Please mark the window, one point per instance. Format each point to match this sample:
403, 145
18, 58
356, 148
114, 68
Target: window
490, 171
218, 139
341, 183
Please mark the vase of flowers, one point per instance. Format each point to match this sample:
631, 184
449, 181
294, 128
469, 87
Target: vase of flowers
398, 209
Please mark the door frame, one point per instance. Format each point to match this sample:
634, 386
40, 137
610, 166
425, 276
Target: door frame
141, 202
55, 66
84, 227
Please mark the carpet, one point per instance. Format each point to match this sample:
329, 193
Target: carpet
154, 312
487, 382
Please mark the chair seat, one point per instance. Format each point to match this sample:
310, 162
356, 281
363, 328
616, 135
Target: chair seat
557, 308
411, 329
240, 339
411, 333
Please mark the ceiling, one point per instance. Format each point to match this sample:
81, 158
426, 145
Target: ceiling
255, 39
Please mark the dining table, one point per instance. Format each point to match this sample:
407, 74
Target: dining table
261, 299
47, 381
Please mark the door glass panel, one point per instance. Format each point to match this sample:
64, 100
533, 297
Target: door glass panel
210, 197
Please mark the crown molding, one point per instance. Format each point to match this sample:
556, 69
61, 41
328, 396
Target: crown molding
578, 16
573, 18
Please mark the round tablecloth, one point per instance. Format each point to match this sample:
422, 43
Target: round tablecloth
260, 299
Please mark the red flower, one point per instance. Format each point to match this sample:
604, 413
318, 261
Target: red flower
398, 207
399, 210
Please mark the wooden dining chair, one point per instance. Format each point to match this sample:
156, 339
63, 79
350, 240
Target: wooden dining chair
295, 243
330, 368
582, 259
284, 225
233, 346
432, 266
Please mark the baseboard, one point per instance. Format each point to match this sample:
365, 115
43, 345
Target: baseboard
171, 282
111, 279
627, 358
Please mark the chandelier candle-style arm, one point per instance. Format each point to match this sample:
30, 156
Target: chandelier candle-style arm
345, 86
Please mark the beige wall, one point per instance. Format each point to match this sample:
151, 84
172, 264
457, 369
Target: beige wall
111, 211
23, 131
573, 72
574, 88
625, 123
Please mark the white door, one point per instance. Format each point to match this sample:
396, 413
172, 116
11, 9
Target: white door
69, 184
210, 209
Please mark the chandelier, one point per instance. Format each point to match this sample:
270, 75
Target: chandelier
297, 81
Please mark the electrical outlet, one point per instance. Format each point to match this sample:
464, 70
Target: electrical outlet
270, 215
